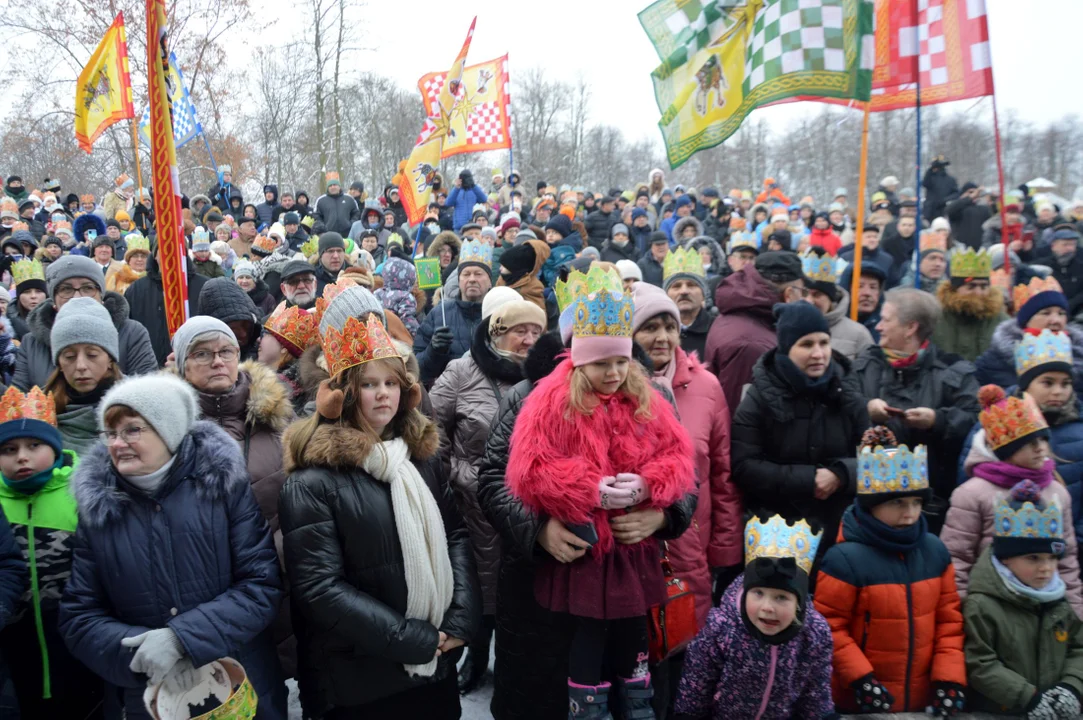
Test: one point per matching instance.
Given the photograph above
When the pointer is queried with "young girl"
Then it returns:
(764, 652)
(888, 591)
(1024, 644)
(592, 441)
(1012, 445)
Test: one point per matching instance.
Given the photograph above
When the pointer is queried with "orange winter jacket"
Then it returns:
(893, 614)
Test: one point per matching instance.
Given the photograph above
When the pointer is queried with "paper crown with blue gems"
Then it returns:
(1021, 515)
(476, 251)
(819, 268)
(777, 539)
(600, 306)
(892, 470)
(1046, 348)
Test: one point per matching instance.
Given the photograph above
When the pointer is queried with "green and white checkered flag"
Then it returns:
(681, 28)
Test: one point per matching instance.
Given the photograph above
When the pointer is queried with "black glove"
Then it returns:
(872, 696)
(441, 340)
(948, 699)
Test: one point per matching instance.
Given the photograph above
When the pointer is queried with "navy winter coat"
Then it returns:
(196, 556)
(463, 201)
(463, 318)
(12, 572)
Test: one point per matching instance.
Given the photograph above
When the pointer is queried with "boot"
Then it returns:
(634, 698)
(587, 702)
(476, 664)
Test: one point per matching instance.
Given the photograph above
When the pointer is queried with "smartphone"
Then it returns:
(585, 532)
(92, 235)
(894, 412)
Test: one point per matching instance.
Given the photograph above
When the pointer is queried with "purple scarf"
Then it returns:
(1006, 475)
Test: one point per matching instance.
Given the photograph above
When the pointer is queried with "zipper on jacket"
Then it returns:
(1038, 647)
(909, 646)
(770, 682)
(39, 624)
(865, 631)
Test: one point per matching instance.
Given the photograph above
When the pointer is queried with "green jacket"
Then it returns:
(1016, 647)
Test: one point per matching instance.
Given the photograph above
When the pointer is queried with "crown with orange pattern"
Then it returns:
(1038, 294)
(34, 405)
(932, 241)
(294, 327)
(20, 226)
(358, 342)
(84, 199)
(264, 244)
(1009, 422)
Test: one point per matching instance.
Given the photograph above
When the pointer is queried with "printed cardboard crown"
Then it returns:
(777, 539)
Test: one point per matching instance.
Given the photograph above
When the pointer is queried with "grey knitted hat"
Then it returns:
(244, 267)
(162, 399)
(351, 302)
(84, 320)
(197, 328)
(66, 267)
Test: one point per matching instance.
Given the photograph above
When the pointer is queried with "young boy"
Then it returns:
(887, 589)
(1024, 644)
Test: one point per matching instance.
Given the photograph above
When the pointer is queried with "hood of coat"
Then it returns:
(313, 366)
(493, 366)
(445, 238)
(687, 366)
(1008, 334)
(41, 319)
(982, 307)
(217, 467)
(335, 445)
(718, 256)
(680, 225)
(747, 293)
(840, 309)
(544, 357)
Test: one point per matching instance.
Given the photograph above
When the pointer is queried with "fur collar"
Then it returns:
(492, 365)
(989, 306)
(268, 399)
(544, 357)
(214, 458)
(42, 318)
(339, 446)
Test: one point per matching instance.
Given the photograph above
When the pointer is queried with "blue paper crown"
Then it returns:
(892, 470)
(743, 240)
(1043, 349)
(1026, 521)
(778, 539)
(819, 269)
(476, 251)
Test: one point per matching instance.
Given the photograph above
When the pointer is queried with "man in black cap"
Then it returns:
(940, 188)
(296, 235)
(651, 263)
(870, 295)
(332, 258)
(298, 285)
(357, 192)
(745, 327)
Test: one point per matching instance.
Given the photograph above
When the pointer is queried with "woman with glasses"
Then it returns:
(174, 566)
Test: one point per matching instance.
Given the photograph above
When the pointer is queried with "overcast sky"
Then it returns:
(1034, 45)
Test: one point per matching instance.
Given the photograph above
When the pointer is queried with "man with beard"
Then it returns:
(972, 307)
(686, 285)
(298, 284)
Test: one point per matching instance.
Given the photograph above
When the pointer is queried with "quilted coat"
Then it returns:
(465, 399)
(196, 556)
(894, 614)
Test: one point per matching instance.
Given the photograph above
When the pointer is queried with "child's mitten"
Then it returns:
(871, 695)
(1059, 702)
(948, 699)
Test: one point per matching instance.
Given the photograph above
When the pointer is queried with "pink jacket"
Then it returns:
(716, 537)
(968, 527)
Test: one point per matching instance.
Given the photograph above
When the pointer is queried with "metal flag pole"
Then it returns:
(135, 151)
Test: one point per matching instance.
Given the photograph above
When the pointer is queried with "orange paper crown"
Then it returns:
(929, 241)
(357, 343)
(295, 328)
(265, 243)
(87, 198)
(1022, 293)
(1007, 419)
(34, 405)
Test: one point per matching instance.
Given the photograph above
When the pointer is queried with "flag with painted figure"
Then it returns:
(770, 50)
(103, 93)
(482, 116)
(186, 125)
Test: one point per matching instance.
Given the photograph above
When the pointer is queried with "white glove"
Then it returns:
(158, 651)
(183, 677)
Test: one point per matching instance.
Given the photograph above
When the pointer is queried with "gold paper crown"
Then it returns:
(682, 261)
(819, 268)
(265, 243)
(137, 243)
(892, 470)
(743, 240)
(27, 269)
(294, 327)
(932, 241)
(310, 247)
(1009, 418)
(970, 264)
(34, 405)
(1044, 348)
(580, 283)
(1036, 286)
(357, 343)
(776, 539)
(606, 312)
(475, 251)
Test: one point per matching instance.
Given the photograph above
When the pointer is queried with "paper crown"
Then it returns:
(684, 261)
(201, 236)
(600, 306)
(476, 251)
(310, 247)
(777, 539)
(1045, 348)
(62, 227)
(88, 198)
(819, 268)
(1007, 419)
(1036, 286)
(970, 264)
(743, 240)
(27, 269)
(34, 405)
(892, 470)
(265, 244)
(932, 241)
(221, 685)
(19, 226)
(580, 283)
(137, 243)
(1026, 520)
(294, 327)
(330, 292)
(357, 343)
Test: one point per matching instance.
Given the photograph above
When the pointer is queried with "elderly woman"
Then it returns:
(925, 396)
(796, 432)
(244, 274)
(465, 398)
(173, 565)
(85, 348)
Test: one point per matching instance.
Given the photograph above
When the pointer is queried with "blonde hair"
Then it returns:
(57, 384)
(582, 398)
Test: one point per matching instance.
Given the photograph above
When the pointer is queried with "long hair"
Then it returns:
(58, 384)
(582, 399)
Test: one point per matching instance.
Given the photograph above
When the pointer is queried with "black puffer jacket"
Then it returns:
(611, 252)
(348, 579)
(225, 300)
(967, 218)
(337, 213)
(599, 226)
(147, 302)
(782, 436)
(939, 380)
(532, 644)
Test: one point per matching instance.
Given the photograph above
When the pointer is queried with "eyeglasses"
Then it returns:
(206, 357)
(67, 292)
(128, 435)
(302, 280)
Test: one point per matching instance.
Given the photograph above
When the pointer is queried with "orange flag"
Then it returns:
(103, 93)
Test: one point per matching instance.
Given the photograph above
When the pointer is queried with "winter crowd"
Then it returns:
(635, 436)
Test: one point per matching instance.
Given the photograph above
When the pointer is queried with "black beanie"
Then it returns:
(794, 321)
(561, 224)
(518, 260)
(329, 241)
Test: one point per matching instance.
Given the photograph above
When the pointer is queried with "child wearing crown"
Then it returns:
(887, 589)
(1011, 446)
(597, 450)
(1024, 643)
(764, 653)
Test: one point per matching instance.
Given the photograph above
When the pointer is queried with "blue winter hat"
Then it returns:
(796, 320)
(682, 201)
(638, 213)
(1038, 302)
(37, 429)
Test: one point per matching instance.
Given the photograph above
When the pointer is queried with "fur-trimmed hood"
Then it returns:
(43, 316)
(1008, 334)
(216, 466)
(991, 305)
(445, 238)
(335, 445)
(684, 222)
(268, 398)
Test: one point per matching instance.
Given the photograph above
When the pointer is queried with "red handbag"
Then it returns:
(672, 624)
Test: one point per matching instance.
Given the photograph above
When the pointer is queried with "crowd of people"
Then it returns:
(634, 436)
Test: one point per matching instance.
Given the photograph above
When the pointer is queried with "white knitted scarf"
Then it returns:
(429, 582)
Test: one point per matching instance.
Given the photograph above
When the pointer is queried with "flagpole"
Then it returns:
(917, 164)
(855, 280)
(135, 151)
(1000, 173)
(208, 146)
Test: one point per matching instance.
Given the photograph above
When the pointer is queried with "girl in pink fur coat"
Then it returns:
(593, 441)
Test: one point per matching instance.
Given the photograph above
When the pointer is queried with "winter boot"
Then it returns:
(634, 698)
(586, 702)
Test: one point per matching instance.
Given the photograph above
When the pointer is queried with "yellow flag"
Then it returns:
(103, 94)
(482, 116)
